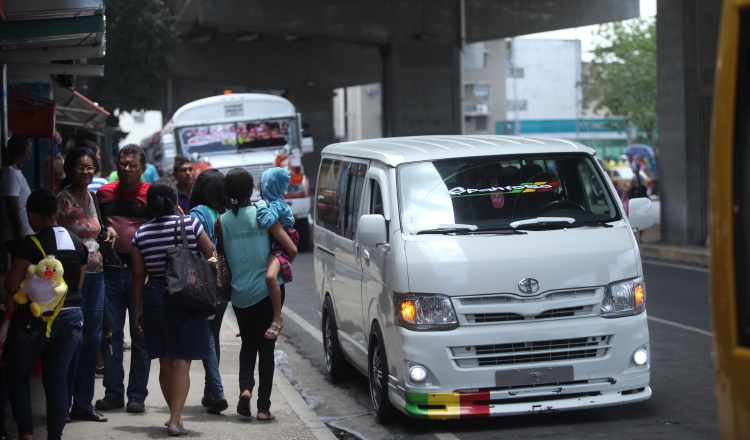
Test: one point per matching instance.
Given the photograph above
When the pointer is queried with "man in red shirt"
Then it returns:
(123, 207)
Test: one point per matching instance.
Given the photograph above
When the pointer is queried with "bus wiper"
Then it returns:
(450, 229)
(560, 222)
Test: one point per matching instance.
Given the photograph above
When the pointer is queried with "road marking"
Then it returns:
(682, 326)
(304, 324)
(676, 266)
(443, 435)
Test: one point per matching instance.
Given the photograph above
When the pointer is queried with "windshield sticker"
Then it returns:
(527, 187)
(498, 200)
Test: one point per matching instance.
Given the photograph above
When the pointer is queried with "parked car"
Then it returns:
(620, 175)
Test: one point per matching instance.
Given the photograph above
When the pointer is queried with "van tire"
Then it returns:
(377, 373)
(337, 366)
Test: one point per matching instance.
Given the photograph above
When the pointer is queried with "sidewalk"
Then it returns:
(294, 420)
(653, 249)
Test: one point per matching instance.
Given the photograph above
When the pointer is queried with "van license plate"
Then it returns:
(534, 376)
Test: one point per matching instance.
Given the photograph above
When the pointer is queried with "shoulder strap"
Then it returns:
(98, 210)
(49, 319)
(219, 236)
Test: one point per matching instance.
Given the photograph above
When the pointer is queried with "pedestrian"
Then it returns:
(183, 176)
(16, 190)
(77, 213)
(97, 181)
(207, 203)
(124, 208)
(247, 246)
(29, 336)
(272, 207)
(635, 188)
(174, 335)
(152, 174)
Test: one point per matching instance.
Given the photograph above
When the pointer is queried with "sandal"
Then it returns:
(274, 330)
(243, 406)
(88, 416)
(218, 406)
(174, 429)
(268, 414)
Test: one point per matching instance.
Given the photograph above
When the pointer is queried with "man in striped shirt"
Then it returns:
(123, 207)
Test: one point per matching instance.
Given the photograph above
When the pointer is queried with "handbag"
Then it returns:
(109, 256)
(191, 283)
(223, 273)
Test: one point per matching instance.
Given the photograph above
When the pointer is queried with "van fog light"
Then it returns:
(640, 356)
(417, 373)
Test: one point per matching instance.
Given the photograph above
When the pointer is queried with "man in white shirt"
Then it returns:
(15, 189)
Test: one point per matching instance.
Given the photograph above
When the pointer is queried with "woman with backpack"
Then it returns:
(55, 340)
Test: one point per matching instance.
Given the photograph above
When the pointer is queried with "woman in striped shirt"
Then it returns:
(173, 335)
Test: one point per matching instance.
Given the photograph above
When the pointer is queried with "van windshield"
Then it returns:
(500, 192)
(236, 136)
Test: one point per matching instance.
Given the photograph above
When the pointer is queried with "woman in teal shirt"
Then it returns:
(247, 245)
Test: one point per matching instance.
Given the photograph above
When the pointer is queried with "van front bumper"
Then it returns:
(457, 387)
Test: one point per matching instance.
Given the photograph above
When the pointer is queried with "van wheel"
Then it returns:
(378, 374)
(336, 364)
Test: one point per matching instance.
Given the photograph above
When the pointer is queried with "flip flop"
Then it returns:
(243, 406)
(269, 416)
(274, 330)
(218, 406)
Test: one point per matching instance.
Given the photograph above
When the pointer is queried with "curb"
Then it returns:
(691, 256)
(299, 406)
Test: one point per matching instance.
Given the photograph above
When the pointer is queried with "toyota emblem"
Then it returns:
(528, 285)
(535, 376)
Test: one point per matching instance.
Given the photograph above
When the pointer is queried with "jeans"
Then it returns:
(83, 367)
(253, 322)
(28, 344)
(213, 387)
(118, 298)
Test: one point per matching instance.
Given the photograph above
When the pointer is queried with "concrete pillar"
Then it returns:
(422, 88)
(687, 34)
(315, 103)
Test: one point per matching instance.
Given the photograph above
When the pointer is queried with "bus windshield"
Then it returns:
(210, 139)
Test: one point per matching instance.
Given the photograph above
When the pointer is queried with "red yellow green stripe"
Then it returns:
(447, 405)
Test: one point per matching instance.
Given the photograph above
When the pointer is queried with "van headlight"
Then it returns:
(420, 311)
(624, 298)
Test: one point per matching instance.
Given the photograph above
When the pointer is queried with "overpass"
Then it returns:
(304, 50)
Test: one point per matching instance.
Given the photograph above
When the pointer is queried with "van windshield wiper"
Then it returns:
(450, 229)
(601, 223)
(544, 223)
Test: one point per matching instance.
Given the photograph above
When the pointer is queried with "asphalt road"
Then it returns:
(683, 403)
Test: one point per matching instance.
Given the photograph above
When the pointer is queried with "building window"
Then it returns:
(516, 104)
(515, 72)
(480, 123)
(481, 90)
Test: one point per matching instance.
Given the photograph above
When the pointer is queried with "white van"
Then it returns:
(473, 276)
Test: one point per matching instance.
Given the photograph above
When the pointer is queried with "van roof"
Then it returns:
(235, 107)
(394, 151)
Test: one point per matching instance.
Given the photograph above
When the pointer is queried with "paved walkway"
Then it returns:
(294, 420)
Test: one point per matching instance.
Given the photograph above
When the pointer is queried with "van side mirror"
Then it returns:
(371, 230)
(641, 214)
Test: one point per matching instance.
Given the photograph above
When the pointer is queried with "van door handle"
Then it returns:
(366, 253)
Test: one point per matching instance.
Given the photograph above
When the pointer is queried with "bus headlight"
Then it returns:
(624, 298)
(419, 311)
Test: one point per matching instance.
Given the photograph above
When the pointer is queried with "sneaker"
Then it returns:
(136, 406)
(109, 403)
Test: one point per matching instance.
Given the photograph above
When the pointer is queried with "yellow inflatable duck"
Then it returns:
(43, 285)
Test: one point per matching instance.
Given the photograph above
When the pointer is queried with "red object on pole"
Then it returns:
(30, 114)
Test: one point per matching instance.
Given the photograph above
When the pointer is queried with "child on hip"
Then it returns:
(272, 208)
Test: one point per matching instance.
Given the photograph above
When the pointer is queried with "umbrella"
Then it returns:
(639, 150)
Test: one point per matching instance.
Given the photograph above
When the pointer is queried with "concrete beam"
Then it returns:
(56, 69)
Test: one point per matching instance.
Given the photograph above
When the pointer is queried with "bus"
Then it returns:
(730, 221)
(247, 130)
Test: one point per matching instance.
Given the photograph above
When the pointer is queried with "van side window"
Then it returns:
(327, 204)
(376, 198)
(355, 180)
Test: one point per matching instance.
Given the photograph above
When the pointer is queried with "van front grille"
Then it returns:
(480, 318)
(531, 352)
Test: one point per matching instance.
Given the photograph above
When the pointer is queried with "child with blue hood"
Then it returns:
(272, 208)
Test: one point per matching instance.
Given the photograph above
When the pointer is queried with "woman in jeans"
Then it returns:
(207, 204)
(77, 213)
(173, 335)
(247, 246)
(27, 335)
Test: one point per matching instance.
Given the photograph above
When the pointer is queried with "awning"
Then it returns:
(74, 109)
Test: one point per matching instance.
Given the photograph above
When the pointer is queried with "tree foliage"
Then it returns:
(622, 77)
(140, 37)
